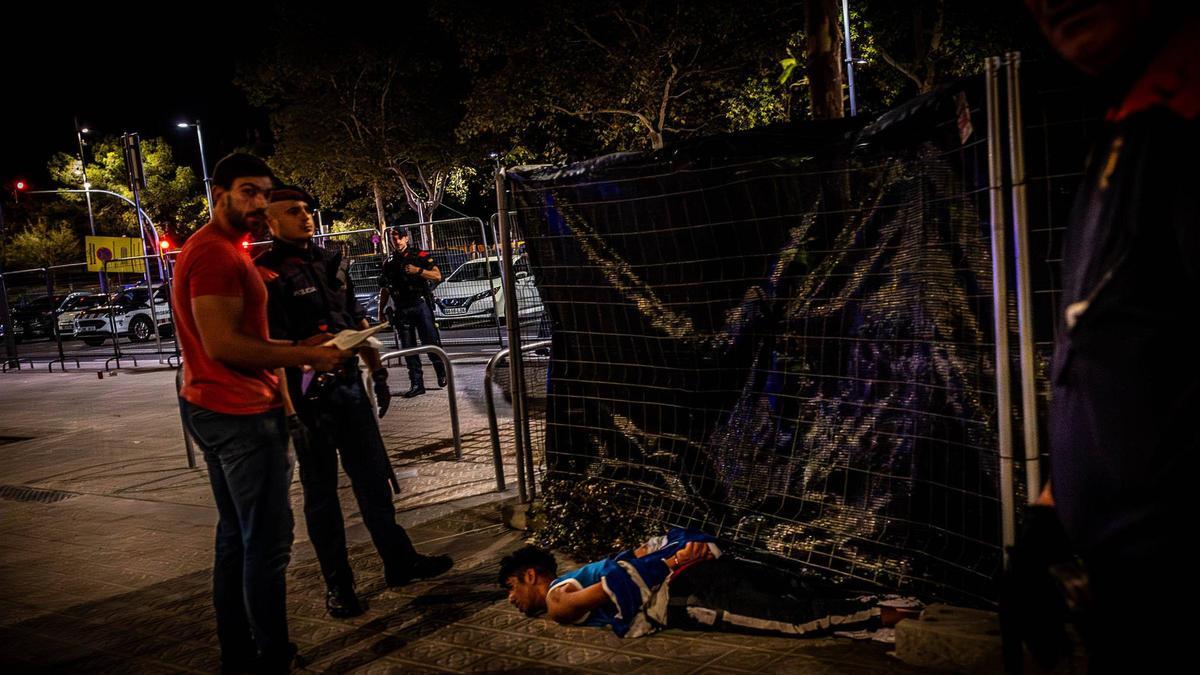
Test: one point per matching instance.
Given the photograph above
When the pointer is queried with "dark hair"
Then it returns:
(527, 557)
(239, 165)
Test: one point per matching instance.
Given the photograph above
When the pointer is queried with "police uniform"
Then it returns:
(412, 314)
(1125, 381)
(308, 293)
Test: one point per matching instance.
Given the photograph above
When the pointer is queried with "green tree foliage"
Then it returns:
(566, 78)
(173, 198)
(40, 244)
(363, 107)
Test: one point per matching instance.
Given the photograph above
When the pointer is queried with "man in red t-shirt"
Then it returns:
(232, 407)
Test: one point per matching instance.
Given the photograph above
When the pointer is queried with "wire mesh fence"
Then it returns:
(786, 337)
(1060, 115)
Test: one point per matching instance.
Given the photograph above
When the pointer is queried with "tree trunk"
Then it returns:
(379, 208)
(823, 58)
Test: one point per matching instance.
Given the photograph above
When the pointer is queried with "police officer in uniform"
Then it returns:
(405, 281)
(331, 414)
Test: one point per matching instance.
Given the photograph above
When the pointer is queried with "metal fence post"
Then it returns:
(10, 340)
(450, 395)
(1000, 306)
(513, 320)
(62, 358)
(1020, 209)
(494, 428)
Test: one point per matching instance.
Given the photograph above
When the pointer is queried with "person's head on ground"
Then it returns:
(526, 574)
(240, 185)
(1101, 36)
(289, 215)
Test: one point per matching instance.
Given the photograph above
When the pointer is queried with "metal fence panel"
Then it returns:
(785, 337)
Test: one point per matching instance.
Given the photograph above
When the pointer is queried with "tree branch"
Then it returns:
(895, 64)
(607, 111)
(588, 36)
(666, 95)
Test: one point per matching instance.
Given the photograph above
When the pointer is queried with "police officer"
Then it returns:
(309, 292)
(405, 281)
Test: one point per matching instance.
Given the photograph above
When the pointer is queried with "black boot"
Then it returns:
(418, 388)
(342, 603)
(441, 376)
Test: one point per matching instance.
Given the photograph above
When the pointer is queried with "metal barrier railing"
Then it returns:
(441, 354)
(524, 455)
(188, 446)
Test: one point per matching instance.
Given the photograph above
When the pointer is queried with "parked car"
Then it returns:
(72, 306)
(473, 293)
(370, 305)
(126, 313)
(449, 260)
(17, 329)
(35, 316)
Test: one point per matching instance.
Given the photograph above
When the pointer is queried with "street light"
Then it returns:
(87, 186)
(849, 57)
(203, 163)
(87, 191)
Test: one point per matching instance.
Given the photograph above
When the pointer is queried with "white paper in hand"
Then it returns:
(350, 338)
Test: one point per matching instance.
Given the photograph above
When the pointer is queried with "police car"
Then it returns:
(473, 293)
(75, 304)
(127, 313)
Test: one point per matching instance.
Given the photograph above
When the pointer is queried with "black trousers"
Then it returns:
(736, 595)
(412, 320)
(343, 422)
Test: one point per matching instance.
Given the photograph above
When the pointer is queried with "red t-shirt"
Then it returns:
(211, 263)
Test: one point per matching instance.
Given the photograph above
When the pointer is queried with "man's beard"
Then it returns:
(237, 220)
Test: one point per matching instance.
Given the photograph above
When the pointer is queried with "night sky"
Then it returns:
(139, 71)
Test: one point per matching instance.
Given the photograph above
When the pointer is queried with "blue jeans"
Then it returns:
(250, 472)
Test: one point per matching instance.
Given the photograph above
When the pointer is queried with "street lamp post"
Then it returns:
(849, 57)
(87, 191)
(203, 163)
(87, 187)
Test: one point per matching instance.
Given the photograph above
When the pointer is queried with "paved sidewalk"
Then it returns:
(108, 549)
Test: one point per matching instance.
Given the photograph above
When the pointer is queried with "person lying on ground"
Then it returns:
(680, 580)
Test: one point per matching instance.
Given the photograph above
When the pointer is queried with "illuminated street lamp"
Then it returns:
(87, 187)
(203, 163)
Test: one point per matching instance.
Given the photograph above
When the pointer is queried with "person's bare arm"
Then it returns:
(569, 603)
(218, 320)
(288, 407)
(1046, 498)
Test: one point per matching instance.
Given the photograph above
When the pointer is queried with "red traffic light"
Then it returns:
(21, 185)
(164, 243)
